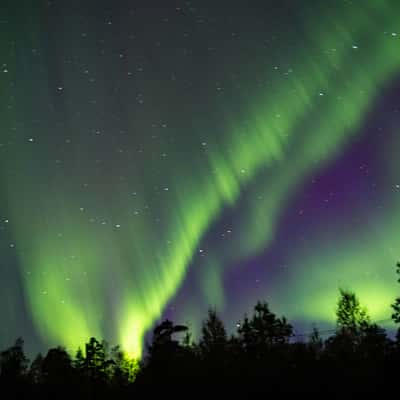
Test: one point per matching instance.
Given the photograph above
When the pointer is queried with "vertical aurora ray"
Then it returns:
(94, 259)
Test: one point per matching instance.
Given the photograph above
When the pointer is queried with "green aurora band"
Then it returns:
(81, 281)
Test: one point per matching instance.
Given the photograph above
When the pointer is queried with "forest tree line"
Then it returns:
(261, 356)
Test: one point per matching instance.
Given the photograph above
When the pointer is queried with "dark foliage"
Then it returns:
(263, 356)
(396, 304)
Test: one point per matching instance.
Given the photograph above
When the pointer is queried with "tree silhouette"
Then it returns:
(94, 369)
(57, 367)
(13, 371)
(58, 377)
(162, 334)
(352, 321)
(374, 344)
(35, 370)
(351, 316)
(79, 361)
(213, 347)
(264, 329)
(13, 363)
(214, 337)
(315, 343)
(342, 350)
(396, 304)
(124, 369)
(263, 341)
(165, 355)
(97, 367)
(95, 361)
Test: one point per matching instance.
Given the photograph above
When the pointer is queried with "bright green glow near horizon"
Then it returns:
(348, 265)
(79, 281)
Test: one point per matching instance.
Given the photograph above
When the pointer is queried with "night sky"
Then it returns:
(161, 157)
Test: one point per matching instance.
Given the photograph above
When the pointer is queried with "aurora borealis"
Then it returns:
(158, 157)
